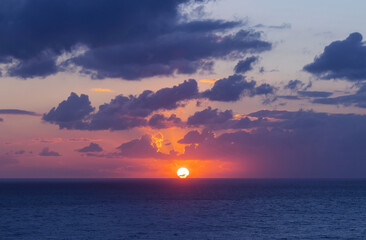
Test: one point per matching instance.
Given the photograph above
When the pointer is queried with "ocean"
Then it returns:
(182, 209)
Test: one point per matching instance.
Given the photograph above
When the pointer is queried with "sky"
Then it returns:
(225, 88)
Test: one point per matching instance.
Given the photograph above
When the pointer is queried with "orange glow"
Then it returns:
(157, 141)
(183, 172)
(101, 90)
(209, 80)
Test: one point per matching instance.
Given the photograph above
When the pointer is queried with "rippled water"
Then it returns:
(183, 209)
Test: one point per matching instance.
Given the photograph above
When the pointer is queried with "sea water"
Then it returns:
(182, 209)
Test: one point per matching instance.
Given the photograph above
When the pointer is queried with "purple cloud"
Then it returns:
(159, 121)
(296, 144)
(18, 112)
(122, 112)
(47, 153)
(341, 59)
(145, 39)
(246, 65)
(232, 88)
(141, 148)
(71, 112)
(92, 147)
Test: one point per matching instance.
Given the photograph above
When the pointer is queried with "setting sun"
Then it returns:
(183, 172)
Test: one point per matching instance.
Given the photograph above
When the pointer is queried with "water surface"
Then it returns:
(182, 209)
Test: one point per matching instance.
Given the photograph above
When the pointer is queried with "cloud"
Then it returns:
(314, 94)
(341, 60)
(246, 65)
(122, 112)
(209, 80)
(20, 152)
(214, 119)
(232, 88)
(288, 144)
(71, 112)
(101, 90)
(289, 97)
(47, 153)
(128, 112)
(92, 147)
(121, 39)
(18, 112)
(43, 64)
(294, 85)
(292, 144)
(141, 148)
(194, 137)
(282, 26)
(177, 52)
(358, 100)
(209, 116)
(1, 120)
(264, 89)
(159, 121)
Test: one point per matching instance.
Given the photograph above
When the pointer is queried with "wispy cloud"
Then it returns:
(101, 90)
(209, 80)
(18, 112)
(282, 26)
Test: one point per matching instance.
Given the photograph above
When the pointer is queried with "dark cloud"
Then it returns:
(123, 39)
(92, 147)
(246, 65)
(289, 97)
(43, 64)
(314, 94)
(71, 112)
(1, 120)
(159, 121)
(289, 144)
(293, 144)
(128, 112)
(215, 119)
(194, 137)
(358, 100)
(133, 111)
(141, 148)
(47, 153)
(20, 152)
(264, 89)
(18, 112)
(341, 59)
(229, 89)
(209, 116)
(180, 52)
(232, 88)
(122, 112)
(294, 85)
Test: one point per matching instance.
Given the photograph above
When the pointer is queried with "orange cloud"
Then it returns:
(209, 80)
(157, 141)
(101, 90)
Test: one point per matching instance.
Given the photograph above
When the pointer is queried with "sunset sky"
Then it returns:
(225, 88)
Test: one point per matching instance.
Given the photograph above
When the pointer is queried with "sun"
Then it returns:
(183, 172)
